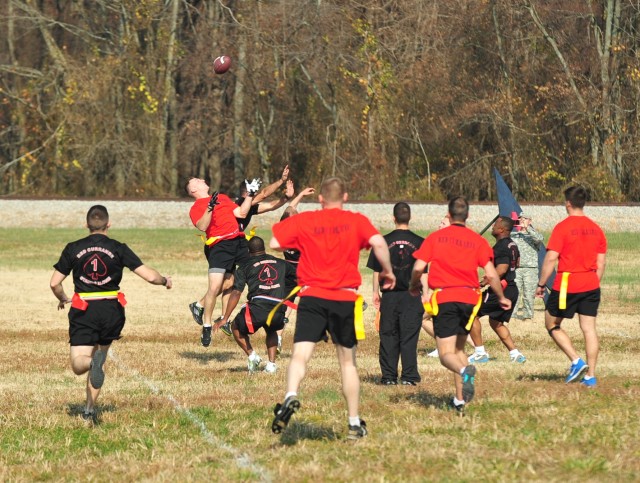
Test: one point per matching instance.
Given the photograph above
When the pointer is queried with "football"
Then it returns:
(221, 64)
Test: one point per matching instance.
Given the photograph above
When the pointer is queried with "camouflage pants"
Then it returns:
(527, 282)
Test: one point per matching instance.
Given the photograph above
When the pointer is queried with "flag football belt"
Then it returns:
(564, 285)
(247, 313)
(212, 240)
(358, 313)
(251, 233)
(81, 300)
(431, 306)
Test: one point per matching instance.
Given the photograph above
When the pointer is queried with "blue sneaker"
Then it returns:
(518, 359)
(476, 358)
(589, 382)
(468, 383)
(576, 371)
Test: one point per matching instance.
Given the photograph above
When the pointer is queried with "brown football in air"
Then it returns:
(221, 64)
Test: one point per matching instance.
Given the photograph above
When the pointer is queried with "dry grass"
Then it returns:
(525, 424)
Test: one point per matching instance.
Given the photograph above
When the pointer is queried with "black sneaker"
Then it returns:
(404, 382)
(468, 383)
(226, 329)
(283, 413)
(96, 372)
(205, 338)
(388, 382)
(196, 312)
(357, 432)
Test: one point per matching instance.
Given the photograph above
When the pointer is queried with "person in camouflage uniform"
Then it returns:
(529, 242)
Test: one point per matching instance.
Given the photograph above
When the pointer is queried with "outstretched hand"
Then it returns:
(307, 191)
(289, 191)
(285, 173)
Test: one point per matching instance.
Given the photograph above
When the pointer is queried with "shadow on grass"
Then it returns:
(371, 379)
(424, 399)
(541, 377)
(298, 431)
(75, 410)
(205, 357)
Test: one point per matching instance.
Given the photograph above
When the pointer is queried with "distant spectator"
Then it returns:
(529, 242)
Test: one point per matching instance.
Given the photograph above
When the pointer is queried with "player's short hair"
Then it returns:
(256, 244)
(576, 195)
(458, 209)
(97, 218)
(186, 185)
(333, 189)
(402, 213)
(506, 222)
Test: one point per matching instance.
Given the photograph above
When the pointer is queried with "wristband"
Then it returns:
(542, 286)
(164, 281)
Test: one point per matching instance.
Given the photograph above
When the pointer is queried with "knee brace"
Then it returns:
(555, 327)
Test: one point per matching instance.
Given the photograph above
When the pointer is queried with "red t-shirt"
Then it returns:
(223, 221)
(329, 241)
(578, 240)
(454, 254)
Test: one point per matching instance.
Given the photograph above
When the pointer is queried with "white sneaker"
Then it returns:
(253, 362)
(433, 353)
(270, 367)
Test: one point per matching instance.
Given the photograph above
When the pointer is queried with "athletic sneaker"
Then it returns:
(205, 338)
(576, 370)
(226, 328)
(476, 358)
(196, 312)
(468, 383)
(433, 353)
(283, 413)
(388, 382)
(408, 383)
(253, 362)
(357, 432)
(589, 382)
(457, 407)
(518, 358)
(270, 367)
(89, 417)
(96, 372)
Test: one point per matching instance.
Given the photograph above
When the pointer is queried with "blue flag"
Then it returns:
(508, 206)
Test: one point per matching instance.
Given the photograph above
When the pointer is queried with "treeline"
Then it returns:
(413, 99)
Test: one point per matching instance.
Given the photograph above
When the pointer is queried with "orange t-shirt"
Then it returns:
(454, 254)
(578, 241)
(329, 242)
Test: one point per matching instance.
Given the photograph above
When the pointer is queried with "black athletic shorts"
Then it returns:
(451, 319)
(317, 316)
(585, 303)
(491, 307)
(259, 314)
(101, 323)
(225, 255)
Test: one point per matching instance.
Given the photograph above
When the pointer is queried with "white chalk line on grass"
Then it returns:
(242, 460)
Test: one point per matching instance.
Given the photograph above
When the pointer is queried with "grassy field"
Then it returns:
(173, 410)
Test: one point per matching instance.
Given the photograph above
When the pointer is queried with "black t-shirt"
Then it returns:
(97, 262)
(243, 223)
(506, 251)
(265, 275)
(402, 244)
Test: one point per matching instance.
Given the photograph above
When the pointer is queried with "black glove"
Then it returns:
(213, 202)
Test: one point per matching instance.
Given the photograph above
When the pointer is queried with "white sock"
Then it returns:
(588, 378)
(279, 339)
(199, 306)
(290, 394)
(253, 356)
(576, 361)
(458, 402)
(354, 421)
(514, 352)
(462, 370)
(206, 325)
(480, 349)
